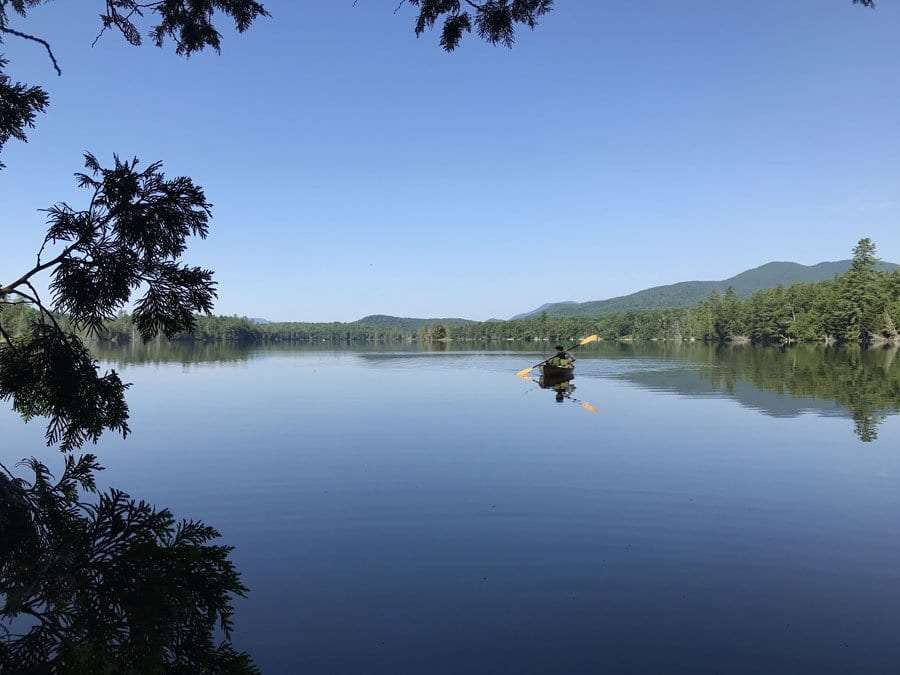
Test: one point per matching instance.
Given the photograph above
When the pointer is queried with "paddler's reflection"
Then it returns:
(564, 391)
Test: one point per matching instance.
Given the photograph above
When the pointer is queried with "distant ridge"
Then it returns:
(689, 293)
(406, 322)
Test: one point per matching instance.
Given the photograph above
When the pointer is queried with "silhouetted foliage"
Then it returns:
(494, 20)
(189, 23)
(19, 104)
(110, 586)
(131, 235)
(49, 374)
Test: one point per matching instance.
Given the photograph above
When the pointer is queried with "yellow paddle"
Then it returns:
(525, 372)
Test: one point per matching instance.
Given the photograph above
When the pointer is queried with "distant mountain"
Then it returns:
(689, 293)
(257, 321)
(406, 322)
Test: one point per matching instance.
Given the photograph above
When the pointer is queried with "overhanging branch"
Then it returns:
(34, 38)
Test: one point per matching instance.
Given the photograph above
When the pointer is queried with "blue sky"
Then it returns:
(355, 169)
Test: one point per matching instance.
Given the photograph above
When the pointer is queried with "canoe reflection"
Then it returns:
(558, 380)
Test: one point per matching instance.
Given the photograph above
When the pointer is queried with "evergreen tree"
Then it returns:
(862, 300)
(888, 327)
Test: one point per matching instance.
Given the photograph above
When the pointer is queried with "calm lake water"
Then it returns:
(401, 511)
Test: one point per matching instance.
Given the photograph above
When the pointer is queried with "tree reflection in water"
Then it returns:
(863, 384)
(108, 585)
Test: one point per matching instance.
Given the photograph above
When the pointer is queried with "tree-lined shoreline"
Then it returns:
(861, 306)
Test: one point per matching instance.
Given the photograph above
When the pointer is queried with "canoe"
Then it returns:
(553, 375)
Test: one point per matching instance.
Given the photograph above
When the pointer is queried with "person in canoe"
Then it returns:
(558, 369)
(562, 359)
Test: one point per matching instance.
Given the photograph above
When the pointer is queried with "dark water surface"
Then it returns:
(404, 511)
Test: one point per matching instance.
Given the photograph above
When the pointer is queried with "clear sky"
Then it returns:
(355, 169)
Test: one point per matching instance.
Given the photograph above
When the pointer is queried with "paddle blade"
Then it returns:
(525, 372)
(589, 339)
(590, 407)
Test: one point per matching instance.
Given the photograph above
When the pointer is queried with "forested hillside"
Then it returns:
(689, 293)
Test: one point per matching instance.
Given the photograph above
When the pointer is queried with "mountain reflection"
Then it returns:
(863, 385)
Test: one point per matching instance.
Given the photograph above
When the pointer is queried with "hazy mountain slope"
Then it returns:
(689, 293)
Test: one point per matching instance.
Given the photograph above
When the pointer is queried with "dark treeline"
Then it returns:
(860, 306)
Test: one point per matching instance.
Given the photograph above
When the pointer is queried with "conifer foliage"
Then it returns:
(95, 582)
(130, 236)
(494, 20)
(110, 586)
(106, 584)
